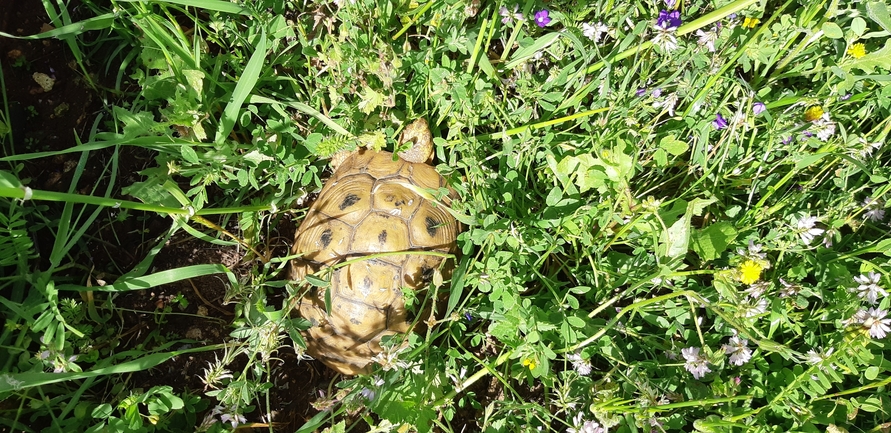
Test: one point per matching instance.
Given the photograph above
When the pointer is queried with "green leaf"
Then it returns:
(210, 5)
(878, 12)
(96, 23)
(858, 26)
(554, 196)
(660, 157)
(316, 281)
(872, 372)
(673, 146)
(16, 381)
(102, 411)
(189, 154)
(675, 241)
(809, 159)
(243, 88)
(713, 240)
(871, 405)
(371, 100)
(526, 53)
(156, 279)
(878, 59)
(832, 30)
(135, 124)
(575, 322)
(256, 157)
(8, 180)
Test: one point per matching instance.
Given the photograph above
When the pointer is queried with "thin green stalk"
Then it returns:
(539, 125)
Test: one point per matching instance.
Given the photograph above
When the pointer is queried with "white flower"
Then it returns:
(869, 287)
(753, 252)
(665, 38)
(757, 289)
(669, 102)
(215, 373)
(367, 393)
(695, 363)
(754, 307)
(708, 39)
(824, 127)
(806, 229)
(229, 415)
(580, 425)
(874, 209)
(868, 148)
(815, 357)
(828, 238)
(508, 16)
(874, 320)
(594, 31)
(738, 350)
(789, 289)
(388, 358)
(581, 366)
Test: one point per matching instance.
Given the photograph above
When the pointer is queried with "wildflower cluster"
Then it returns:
(666, 27)
(695, 363)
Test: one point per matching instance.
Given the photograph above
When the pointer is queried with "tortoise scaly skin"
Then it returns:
(371, 205)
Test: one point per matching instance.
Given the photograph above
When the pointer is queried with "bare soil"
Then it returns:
(54, 120)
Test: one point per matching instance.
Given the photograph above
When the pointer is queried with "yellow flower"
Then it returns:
(813, 113)
(750, 271)
(750, 22)
(529, 362)
(857, 50)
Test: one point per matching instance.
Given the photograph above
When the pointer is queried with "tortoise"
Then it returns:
(373, 203)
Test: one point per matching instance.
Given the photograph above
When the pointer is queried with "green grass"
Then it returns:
(620, 236)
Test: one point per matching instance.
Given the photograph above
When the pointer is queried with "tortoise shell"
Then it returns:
(370, 205)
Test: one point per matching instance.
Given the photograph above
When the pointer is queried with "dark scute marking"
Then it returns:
(431, 226)
(382, 237)
(326, 238)
(366, 283)
(348, 201)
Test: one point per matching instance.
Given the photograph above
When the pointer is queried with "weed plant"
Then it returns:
(676, 211)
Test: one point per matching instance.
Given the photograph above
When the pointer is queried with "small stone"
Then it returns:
(194, 334)
(202, 310)
(45, 81)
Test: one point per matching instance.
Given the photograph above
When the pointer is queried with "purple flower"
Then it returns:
(670, 3)
(844, 97)
(668, 20)
(758, 108)
(657, 92)
(542, 18)
(640, 92)
(720, 122)
(787, 140)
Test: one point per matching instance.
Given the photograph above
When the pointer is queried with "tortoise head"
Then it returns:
(417, 135)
